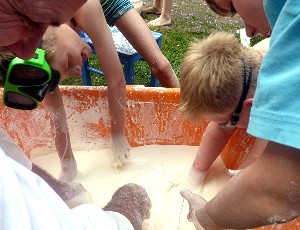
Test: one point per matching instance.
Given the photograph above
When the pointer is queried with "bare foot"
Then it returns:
(152, 10)
(159, 22)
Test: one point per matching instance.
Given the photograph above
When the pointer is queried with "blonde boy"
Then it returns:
(217, 83)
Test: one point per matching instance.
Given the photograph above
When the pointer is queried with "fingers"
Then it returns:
(196, 207)
(188, 195)
(120, 150)
(119, 156)
(195, 201)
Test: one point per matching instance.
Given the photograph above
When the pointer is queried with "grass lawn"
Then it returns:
(191, 19)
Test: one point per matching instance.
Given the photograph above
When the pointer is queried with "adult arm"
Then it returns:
(266, 192)
(73, 194)
(255, 152)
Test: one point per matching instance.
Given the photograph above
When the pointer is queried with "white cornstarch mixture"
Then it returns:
(158, 168)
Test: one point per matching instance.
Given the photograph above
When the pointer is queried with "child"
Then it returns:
(66, 56)
(61, 55)
(218, 82)
(121, 14)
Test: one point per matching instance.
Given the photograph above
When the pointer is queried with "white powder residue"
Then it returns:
(158, 168)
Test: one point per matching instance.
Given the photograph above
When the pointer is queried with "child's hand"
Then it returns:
(194, 181)
(120, 149)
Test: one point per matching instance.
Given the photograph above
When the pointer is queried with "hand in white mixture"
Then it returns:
(194, 181)
(120, 149)
(197, 213)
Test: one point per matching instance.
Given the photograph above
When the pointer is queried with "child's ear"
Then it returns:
(248, 102)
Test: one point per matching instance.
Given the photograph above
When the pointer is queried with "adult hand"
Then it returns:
(197, 213)
(132, 201)
(120, 149)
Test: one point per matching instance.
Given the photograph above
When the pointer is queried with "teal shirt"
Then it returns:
(114, 9)
(275, 113)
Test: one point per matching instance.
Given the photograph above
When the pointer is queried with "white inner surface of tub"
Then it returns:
(158, 168)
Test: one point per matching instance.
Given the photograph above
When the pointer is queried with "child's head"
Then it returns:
(251, 12)
(65, 50)
(211, 81)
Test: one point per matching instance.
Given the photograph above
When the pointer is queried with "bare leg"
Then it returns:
(154, 9)
(132, 201)
(142, 40)
(165, 17)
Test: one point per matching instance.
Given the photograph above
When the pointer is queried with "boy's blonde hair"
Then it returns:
(211, 80)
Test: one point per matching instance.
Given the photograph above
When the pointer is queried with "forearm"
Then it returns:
(91, 19)
(65, 190)
(213, 142)
(267, 192)
(58, 121)
(73, 194)
(117, 106)
(97, 29)
(51, 181)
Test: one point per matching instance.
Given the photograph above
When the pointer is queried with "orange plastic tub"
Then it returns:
(152, 117)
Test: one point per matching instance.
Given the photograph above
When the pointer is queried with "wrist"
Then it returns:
(206, 222)
(117, 133)
(196, 175)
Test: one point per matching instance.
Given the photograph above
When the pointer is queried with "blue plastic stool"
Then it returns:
(127, 54)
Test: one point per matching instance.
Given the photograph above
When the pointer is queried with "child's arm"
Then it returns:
(91, 19)
(213, 142)
(59, 128)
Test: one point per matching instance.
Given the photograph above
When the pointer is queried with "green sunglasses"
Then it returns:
(27, 82)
